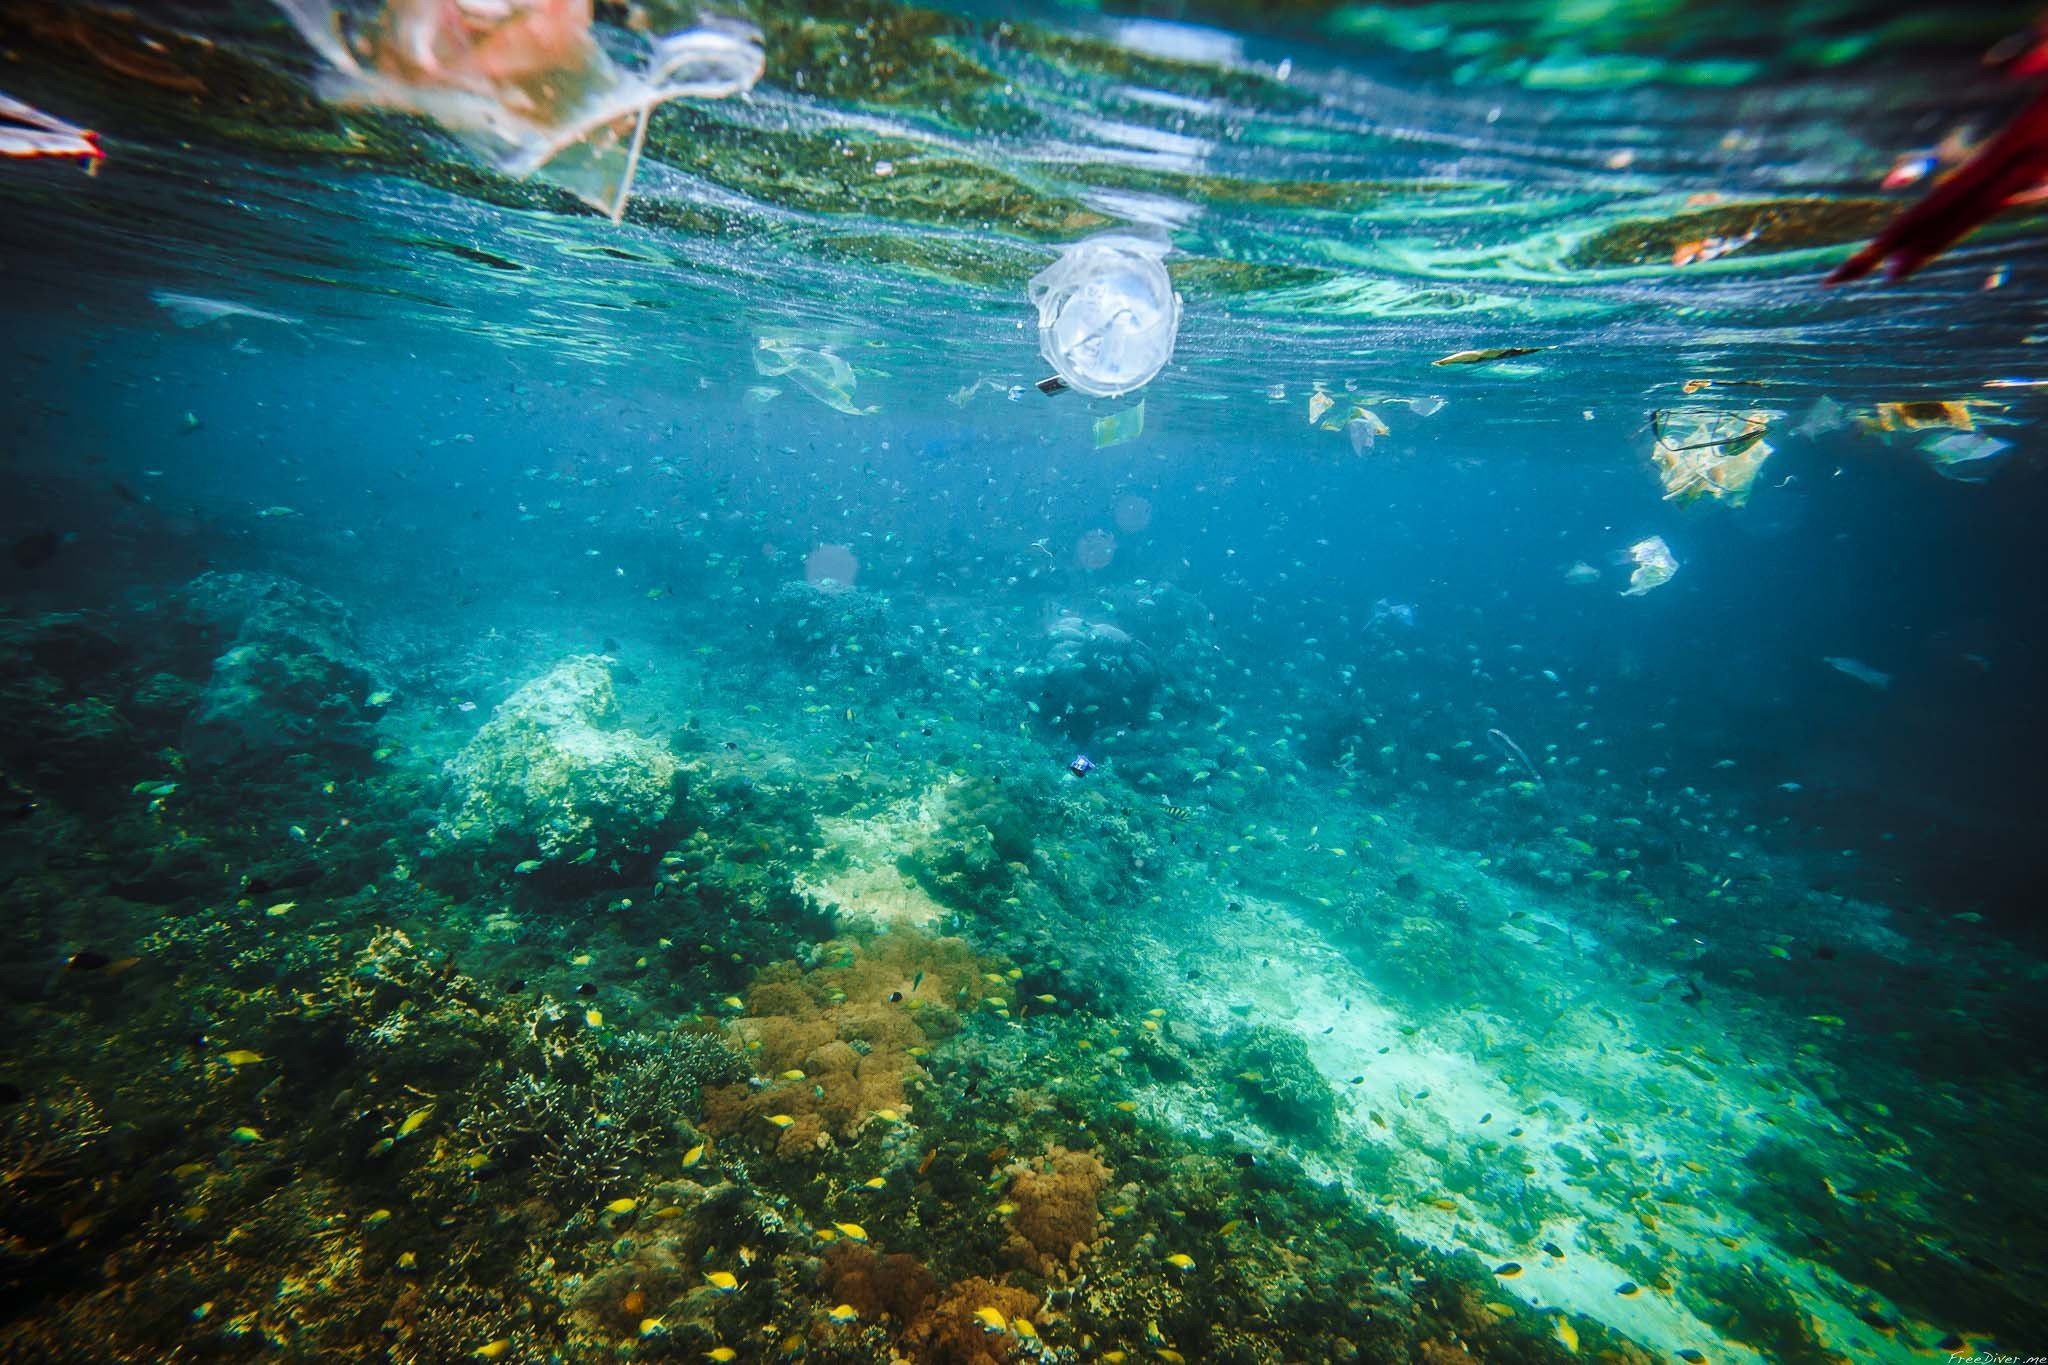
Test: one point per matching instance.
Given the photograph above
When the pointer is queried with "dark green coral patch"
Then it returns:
(876, 53)
(1214, 277)
(1779, 225)
(850, 174)
(1331, 196)
(1093, 58)
(980, 264)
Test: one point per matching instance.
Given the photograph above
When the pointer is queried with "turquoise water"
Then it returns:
(542, 768)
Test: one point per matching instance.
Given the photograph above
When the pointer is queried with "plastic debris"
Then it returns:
(1364, 427)
(1654, 566)
(1964, 456)
(1824, 416)
(194, 310)
(1701, 453)
(1860, 671)
(1119, 427)
(524, 83)
(1953, 414)
(1485, 356)
(819, 373)
(1107, 313)
(26, 131)
(1319, 403)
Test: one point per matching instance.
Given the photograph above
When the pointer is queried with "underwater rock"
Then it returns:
(832, 628)
(288, 680)
(553, 770)
(1096, 675)
(972, 860)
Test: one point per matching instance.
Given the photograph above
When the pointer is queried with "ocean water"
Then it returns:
(607, 790)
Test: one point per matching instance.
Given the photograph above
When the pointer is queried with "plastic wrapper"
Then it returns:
(524, 83)
(1107, 314)
(1965, 456)
(1703, 453)
(1119, 427)
(819, 373)
(1654, 566)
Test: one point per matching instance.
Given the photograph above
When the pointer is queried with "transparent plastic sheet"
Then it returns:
(1654, 566)
(1107, 313)
(819, 373)
(524, 84)
(1704, 453)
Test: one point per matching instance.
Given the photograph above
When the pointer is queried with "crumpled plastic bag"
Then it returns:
(1654, 566)
(819, 373)
(1108, 316)
(1704, 453)
(523, 83)
(1965, 456)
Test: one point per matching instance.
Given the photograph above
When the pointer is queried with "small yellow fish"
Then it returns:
(581, 960)
(671, 1211)
(792, 1075)
(875, 1183)
(1023, 1328)
(992, 1319)
(594, 1018)
(1127, 1106)
(625, 1204)
(408, 1260)
(888, 1116)
(377, 1218)
(1116, 1357)
(721, 1354)
(246, 1134)
(414, 1120)
(693, 1156)
(844, 1313)
(491, 1350)
(282, 908)
(1170, 1356)
(1568, 1334)
(241, 1056)
(724, 1281)
(1046, 999)
(853, 1232)
(1232, 1226)
(1005, 1209)
(733, 1002)
(781, 1120)
(649, 1326)
(1180, 1260)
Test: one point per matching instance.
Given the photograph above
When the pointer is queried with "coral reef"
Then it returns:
(1280, 1081)
(288, 678)
(1094, 676)
(1056, 1217)
(554, 772)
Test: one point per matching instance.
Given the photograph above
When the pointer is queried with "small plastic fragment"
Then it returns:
(1120, 427)
(1107, 314)
(1654, 566)
(1485, 355)
(26, 131)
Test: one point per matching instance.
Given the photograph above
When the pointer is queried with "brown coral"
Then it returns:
(954, 1335)
(896, 1286)
(837, 1039)
(1056, 1218)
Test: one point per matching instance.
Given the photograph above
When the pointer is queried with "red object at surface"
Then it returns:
(2007, 170)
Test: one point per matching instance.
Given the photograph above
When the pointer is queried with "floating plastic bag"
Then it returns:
(1965, 456)
(1702, 453)
(523, 83)
(1654, 566)
(1107, 314)
(819, 373)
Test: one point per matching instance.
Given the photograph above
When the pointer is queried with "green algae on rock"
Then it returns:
(553, 770)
